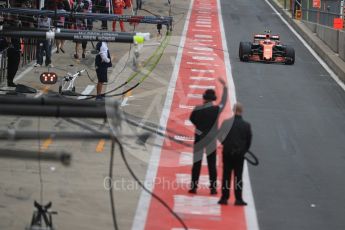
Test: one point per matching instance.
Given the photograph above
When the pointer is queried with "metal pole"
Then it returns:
(59, 108)
(15, 135)
(164, 20)
(50, 101)
(318, 15)
(3, 67)
(308, 5)
(86, 36)
(63, 157)
(53, 111)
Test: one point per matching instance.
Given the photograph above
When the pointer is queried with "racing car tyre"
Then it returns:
(245, 50)
(289, 55)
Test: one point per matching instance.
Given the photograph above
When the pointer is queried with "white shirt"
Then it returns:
(104, 52)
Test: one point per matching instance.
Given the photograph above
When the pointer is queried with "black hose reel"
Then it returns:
(251, 158)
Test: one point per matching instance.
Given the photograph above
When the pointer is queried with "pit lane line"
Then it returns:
(141, 213)
(250, 210)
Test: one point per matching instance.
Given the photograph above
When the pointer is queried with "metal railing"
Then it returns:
(320, 17)
(3, 68)
(286, 4)
(28, 51)
(28, 54)
(324, 16)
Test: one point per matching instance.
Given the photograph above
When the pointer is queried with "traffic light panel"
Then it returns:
(48, 78)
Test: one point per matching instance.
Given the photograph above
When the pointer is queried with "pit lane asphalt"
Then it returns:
(298, 119)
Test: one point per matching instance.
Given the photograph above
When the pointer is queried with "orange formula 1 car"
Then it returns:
(266, 48)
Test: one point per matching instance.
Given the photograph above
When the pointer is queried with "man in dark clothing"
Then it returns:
(205, 119)
(13, 52)
(13, 60)
(139, 4)
(102, 6)
(43, 45)
(235, 135)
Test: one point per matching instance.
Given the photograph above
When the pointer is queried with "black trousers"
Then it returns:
(139, 4)
(89, 26)
(105, 22)
(43, 46)
(232, 164)
(12, 64)
(211, 164)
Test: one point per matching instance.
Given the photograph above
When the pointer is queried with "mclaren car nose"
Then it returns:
(267, 55)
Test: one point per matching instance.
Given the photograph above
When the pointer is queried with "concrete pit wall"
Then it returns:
(311, 26)
(329, 36)
(341, 45)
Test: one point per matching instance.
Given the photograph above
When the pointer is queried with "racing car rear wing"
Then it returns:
(266, 36)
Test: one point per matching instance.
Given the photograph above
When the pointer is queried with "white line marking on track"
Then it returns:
(188, 123)
(186, 158)
(86, 91)
(22, 74)
(197, 205)
(202, 36)
(203, 22)
(202, 78)
(317, 57)
(186, 107)
(200, 53)
(184, 138)
(250, 211)
(203, 58)
(200, 25)
(202, 86)
(202, 64)
(206, 45)
(200, 48)
(184, 229)
(204, 40)
(28, 69)
(140, 217)
(200, 30)
(185, 179)
(124, 101)
(203, 70)
(194, 95)
(39, 94)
